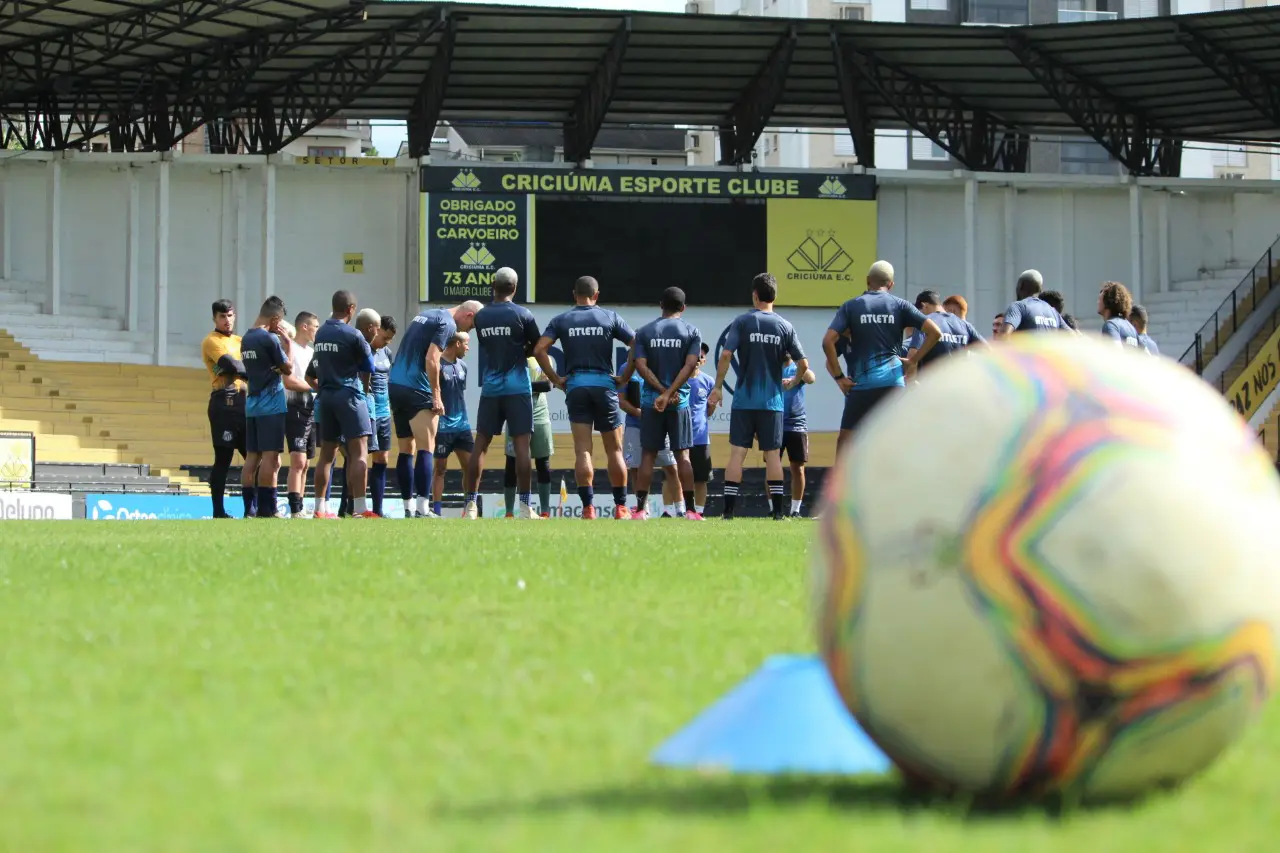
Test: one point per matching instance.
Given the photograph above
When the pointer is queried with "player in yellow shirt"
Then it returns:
(221, 354)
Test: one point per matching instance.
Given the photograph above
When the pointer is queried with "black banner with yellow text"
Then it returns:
(468, 237)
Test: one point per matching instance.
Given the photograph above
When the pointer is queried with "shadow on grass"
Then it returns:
(726, 795)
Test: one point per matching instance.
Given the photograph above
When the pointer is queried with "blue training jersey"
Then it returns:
(957, 335)
(759, 340)
(505, 332)
(379, 393)
(1033, 314)
(261, 354)
(875, 322)
(700, 385)
(433, 326)
(453, 386)
(341, 355)
(630, 420)
(1120, 331)
(586, 334)
(794, 416)
(665, 344)
(1148, 343)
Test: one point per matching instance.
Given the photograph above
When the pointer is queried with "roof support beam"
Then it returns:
(583, 125)
(425, 114)
(747, 119)
(1255, 85)
(977, 139)
(856, 115)
(1123, 130)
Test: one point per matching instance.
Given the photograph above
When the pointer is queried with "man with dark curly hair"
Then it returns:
(1114, 305)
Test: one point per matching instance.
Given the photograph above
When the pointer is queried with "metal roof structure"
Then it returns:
(259, 73)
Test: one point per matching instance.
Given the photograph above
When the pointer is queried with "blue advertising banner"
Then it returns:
(100, 507)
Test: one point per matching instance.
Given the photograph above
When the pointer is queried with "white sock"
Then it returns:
(795, 506)
(669, 509)
(679, 507)
(362, 505)
(699, 509)
(422, 505)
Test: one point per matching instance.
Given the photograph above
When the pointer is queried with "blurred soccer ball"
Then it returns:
(1076, 592)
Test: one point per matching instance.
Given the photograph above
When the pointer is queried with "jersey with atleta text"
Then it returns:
(504, 332)
(665, 344)
(341, 355)
(1033, 314)
(262, 354)
(875, 322)
(957, 335)
(759, 340)
(214, 347)
(453, 387)
(586, 334)
(433, 326)
(794, 416)
(1121, 331)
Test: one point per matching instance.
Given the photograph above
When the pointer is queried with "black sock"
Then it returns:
(295, 503)
(775, 497)
(586, 494)
(642, 500)
(620, 496)
(249, 495)
(730, 498)
(222, 457)
(688, 501)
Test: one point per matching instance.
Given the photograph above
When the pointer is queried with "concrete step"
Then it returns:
(112, 357)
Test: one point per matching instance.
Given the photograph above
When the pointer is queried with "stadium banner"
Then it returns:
(17, 460)
(467, 237)
(129, 507)
(818, 250)
(1258, 379)
(638, 230)
(823, 399)
(566, 504)
(35, 506)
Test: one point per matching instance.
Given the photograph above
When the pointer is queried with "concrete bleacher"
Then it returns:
(1178, 313)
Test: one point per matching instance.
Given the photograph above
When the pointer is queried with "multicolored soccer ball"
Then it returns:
(1051, 568)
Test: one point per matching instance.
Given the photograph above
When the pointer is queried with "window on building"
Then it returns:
(929, 5)
(1006, 12)
(325, 151)
(1085, 157)
(1230, 155)
(1225, 5)
(857, 13)
(1142, 8)
(924, 148)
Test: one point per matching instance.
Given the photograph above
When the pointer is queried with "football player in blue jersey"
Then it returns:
(957, 334)
(505, 334)
(454, 435)
(1030, 313)
(1138, 317)
(874, 323)
(761, 342)
(1114, 305)
(343, 363)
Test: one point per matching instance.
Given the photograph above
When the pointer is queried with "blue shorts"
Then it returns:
(264, 433)
(746, 425)
(451, 442)
(658, 428)
(858, 404)
(594, 405)
(344, 415)
(515, 411)
(380, 439)
(406, 403)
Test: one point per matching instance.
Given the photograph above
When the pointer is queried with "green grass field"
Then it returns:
(333, 687)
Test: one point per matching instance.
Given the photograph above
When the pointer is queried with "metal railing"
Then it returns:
(1082, 16)
(1257, 342)
(1226, 318)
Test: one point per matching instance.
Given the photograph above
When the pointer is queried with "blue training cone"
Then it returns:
(786, 718)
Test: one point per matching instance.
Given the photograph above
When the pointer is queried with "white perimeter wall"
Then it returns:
(956, 233)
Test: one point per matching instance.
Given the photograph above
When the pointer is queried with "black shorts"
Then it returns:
(515, 411)
(452, 442)
(300, 430)
(858, 404)
(406, 403)
(226, 420)
(761, 425)
(380, 437)
(344, 415)
(589, 404)
(795, 446)
(700, 459)
(265, 433)
(670, 425)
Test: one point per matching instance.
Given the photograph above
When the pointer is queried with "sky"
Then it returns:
(387, 136)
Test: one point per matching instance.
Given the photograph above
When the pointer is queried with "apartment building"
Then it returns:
(545, 144)
(895, 149)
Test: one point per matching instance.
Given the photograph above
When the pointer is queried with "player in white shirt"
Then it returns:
(300, 433)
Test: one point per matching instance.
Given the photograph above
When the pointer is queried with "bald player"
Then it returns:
(343, 364)
(220, 352)
(417, 401)
(1030, 313)
(875, 323)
